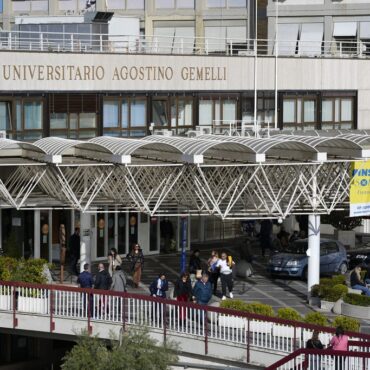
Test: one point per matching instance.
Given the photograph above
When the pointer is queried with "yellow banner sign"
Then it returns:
(359, 196)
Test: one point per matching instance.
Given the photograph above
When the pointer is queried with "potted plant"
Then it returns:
(347, 323)
(331, 294)
(355, 305)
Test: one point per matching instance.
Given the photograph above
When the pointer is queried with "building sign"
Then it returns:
(360, 189)
(78, 72)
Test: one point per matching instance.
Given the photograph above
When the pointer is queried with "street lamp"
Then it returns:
(255, 68)
(276, 59)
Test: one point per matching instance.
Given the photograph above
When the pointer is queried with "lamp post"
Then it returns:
(255, 69)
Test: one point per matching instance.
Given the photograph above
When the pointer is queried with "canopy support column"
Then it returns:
(85, 239)
(313, 251)
(36, 233)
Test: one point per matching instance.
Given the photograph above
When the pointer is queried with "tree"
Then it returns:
(136, 351)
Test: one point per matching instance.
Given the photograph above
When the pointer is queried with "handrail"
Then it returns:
(154, 44)
(317, 352)
(218, 310)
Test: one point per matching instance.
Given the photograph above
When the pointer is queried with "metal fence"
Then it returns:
(204, 323)
(151, 44)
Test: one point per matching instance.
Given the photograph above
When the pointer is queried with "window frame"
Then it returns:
(302, 123)
(333, 99)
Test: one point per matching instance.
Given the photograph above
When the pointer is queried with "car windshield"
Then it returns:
(297, 248)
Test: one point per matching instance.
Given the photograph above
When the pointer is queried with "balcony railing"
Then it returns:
(205, 323)
(151, 44)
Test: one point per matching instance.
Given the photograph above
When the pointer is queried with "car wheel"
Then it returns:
(304, 276)
(343, 268)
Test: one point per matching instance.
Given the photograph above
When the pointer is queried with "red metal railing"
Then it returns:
(303, 359)
(171, 317)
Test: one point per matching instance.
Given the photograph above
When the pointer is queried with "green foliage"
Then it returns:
(357, 299)
(260, 309)
(316, 318)
(288, 313)
(137, 351)
(341, 221)
(234, 304)
(28, 271)
(347, 323)
(11, 248)
(334, 293)
(338, 279)
(8, 266)
(253, 307)
(315, 290)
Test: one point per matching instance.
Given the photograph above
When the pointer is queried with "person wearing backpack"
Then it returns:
(213, 271)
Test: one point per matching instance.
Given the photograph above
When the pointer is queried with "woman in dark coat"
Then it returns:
(183, 292)
(136, 257)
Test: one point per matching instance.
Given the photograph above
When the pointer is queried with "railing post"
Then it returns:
(164, 323)
(101, 43)
(205, 325)
(51, 308)
(295, 338)
(248, 342)
(72, 42)
(90, 298)
(41, 42)
(123, 312)
(15, 320)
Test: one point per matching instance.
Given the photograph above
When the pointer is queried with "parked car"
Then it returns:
(294, 261)
(358, 257)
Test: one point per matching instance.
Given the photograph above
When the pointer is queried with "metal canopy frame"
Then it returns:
(225, 176)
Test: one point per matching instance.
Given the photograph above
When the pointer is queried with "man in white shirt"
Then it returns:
(225, 265)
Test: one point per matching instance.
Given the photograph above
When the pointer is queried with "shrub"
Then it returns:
(316, 318)
(8, 266)
(289, 314)
(233, 304)
(260, 309)
(326, 281)
(338, 279)
(347, 323)
(357, 299)
(31, 271)
(315, 290)
(334, 293)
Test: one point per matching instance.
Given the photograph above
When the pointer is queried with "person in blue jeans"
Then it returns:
(357, 283)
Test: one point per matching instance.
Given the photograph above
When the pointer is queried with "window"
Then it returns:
(217, 111)
(226, 3)
(121, 115)
(1, 6)
(181, 112)
(160, 113)
(216, 3)
(5, 109)
(164, 4)
(300, 112)
(337, 113)
(345, 33)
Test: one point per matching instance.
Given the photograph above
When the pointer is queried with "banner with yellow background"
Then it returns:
(359, 196)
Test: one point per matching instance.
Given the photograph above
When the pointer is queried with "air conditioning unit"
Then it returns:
(192, 133)
(163, 132)
(204, 130)
(2, 134)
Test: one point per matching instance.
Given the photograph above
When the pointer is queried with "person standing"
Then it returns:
(314, 343)
(114, 259)
(118, 280)
(136, 257)
(339, 343)
(195, 265)
(202, 292)
(103, 281)
(74, 250)
(214, 272)
(225, 265)
(356, 281)
(85, 280)
(159, 287)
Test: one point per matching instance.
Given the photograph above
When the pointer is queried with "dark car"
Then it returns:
(358, 257)
(294, 261)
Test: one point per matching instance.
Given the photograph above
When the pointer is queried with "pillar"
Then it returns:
(85, 238)
(36, 233)
(313, 251)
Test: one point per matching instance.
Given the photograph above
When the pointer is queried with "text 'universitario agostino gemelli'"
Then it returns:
(36, 72)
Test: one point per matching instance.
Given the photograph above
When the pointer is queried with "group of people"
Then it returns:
(339, 342)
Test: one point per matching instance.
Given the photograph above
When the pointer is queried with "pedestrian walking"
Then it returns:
(314, 343)
(158, 288)
(118, 280)
(214, 272)
(339, 343)
(103, 281)
(195, 265)
(136, 257)
(183, 292)
(202, 292)
(225, 265)
(85, 280)
(114, 259)
(74, 250)
(357, 282)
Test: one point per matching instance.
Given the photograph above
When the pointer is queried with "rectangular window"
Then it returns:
(58, 120)
(110, 113)
(135, 4)
(87, 120)
(309, 111)
(185, 4)
(1, 6)
(327, 111)
(181, 112)
(164, 4)
(337, 113)
(236, 3)
(32, 111)
(205, 113)
(216, 3)
(138, 113)
(346, 110)
(4, 115)
(160, 112)
(229, 110)
(289, 111)
(124, 114)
